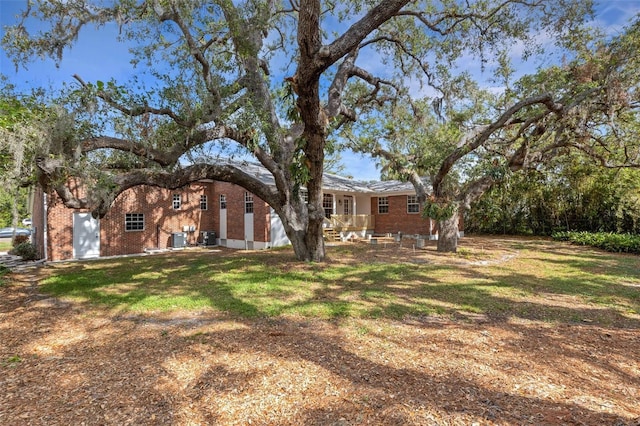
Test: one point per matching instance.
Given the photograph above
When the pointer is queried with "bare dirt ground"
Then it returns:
(64, 363)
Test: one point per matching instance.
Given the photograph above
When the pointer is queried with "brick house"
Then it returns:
(211, 212)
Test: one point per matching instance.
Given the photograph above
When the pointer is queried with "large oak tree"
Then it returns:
(210, 73)
(589, 105)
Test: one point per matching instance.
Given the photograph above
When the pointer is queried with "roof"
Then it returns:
(330, 181)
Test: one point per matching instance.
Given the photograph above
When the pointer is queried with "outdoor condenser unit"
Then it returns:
(179, 239)
(208, 238)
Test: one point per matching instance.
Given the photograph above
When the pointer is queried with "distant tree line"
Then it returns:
(576, 196)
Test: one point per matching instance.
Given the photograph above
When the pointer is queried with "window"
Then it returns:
(177, 201)
(383, 205)
(348, 205)
(223, 202)
(134, 222)
(248, 202)
(412, 204)
(304, 196)
(203, 202)
(327, 205)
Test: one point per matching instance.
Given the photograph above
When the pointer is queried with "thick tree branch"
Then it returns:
(379, 14)
(480, 135)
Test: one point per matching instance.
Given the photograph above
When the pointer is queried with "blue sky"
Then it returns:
(98, 56)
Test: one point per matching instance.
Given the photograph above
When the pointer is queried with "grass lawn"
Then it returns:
(5, 245)
(537, 280)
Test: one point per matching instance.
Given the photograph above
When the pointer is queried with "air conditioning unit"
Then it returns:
(208, 238)
(179, 240)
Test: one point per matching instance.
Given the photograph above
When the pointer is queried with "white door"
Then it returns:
(248, 226)
(223, 219)
(348, 205)
(248, 219)
(86, 236)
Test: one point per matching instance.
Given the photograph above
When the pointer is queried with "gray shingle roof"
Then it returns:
(330, 182)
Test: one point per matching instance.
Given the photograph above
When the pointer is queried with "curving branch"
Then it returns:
(196, 50)
(330, 54)
(137, 110)
(441, 26)
(481, 134)
(54, 170)
(397, 162)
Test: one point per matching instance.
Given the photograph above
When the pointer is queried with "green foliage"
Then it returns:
(11, 361)
(7, 202)
(617, 243)
(572, 194)
(438, 209)
(26, 250)
(3, 271)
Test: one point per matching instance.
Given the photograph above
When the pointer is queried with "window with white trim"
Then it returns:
(248, 202)
(134, 222)
(383, 205)
(203, 202)
(413, 206)
(177, 201)
(223, 202)
(327, 205)
(304, 196)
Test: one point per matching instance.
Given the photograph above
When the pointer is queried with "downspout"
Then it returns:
(45, 233)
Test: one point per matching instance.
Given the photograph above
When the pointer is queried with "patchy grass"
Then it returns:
(539, 281)
(3, 271)
(5, 245)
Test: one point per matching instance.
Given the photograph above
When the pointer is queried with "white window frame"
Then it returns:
(413, 206)
(134, 222)
(204, 202)
(177, 201)
(248, 203)
(383, 205)
(327, 205)
(223, 202)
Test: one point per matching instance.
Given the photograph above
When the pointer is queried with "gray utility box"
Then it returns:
(208, 238)
(179, 239)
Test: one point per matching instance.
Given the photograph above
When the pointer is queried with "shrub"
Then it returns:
(26, 250)
(625, 243)
(19, 239)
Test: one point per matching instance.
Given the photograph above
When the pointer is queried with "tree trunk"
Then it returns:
(448, 234)
(306, 237)
(308, 245)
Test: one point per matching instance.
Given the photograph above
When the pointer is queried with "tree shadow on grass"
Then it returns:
(255, 286)
(185, 371)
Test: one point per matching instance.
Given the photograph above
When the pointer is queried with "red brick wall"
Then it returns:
(235, 213)
(160, 219)
(261, 220)
(60, 225)
(398, 220)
